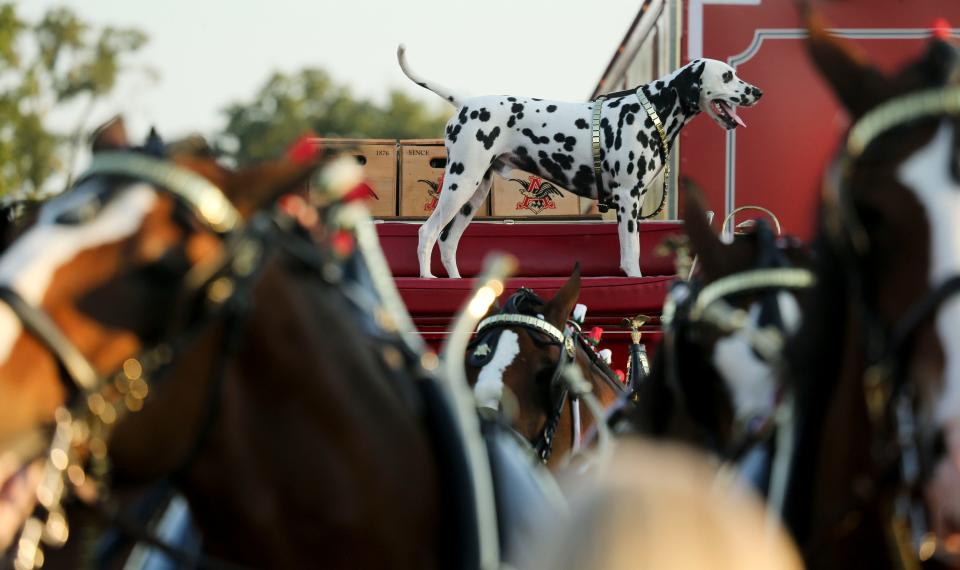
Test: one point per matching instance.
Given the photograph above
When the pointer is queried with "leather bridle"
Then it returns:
(568, 340)
(890, 399)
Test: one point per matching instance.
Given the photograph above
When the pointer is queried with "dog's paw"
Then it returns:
(427, 276)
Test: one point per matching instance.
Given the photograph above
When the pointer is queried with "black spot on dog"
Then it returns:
(581, 124)
(555, 170)
(484, 114)
(511, 99)
(641, 165)
(648, 123)
(569, 143)
(643, 139)
(474, 114)
(516, 108)
(559, 137)
(564, 160)
(630, 226)
(543, 125)
(616, 167)
(535, 99)
(537, 110)
(615, 103)
(446, 231)
(456, 168)
(536, 139)
(463, 116)
(452, 132)
(630, 168)
(727, 76)
(519, 115)
(631, 155)
(511, 121)
(487, 140)
(551, 108)
(583, 181)
(653, 166)
(629, 119)
(453, 187)
(607, 133)
(466, 210)
(450, 98)
(524, 161)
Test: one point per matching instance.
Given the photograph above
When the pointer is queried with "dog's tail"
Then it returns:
(448, 95)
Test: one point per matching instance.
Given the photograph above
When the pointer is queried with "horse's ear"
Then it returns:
(704, 243)
(558, 309)
(253, 187)
(857, 84)
(111, 135)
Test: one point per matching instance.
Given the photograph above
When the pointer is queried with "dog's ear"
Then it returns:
(857, 84)
(704, 243)
(688, 85)
(558, 309)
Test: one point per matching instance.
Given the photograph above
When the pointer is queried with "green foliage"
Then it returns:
(44, 65)
(287, 106)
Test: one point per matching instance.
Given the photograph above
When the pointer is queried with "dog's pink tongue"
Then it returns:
(732, 111)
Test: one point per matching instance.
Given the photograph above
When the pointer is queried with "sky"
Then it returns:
(209, 53)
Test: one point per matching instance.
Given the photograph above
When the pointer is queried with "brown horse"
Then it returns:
(295, 440)
(522, 350)
(874, 366)
(714, 383)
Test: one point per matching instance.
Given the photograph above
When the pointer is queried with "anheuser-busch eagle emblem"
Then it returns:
(433, 194)
(537, 194)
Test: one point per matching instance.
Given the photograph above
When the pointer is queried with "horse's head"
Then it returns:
(113, 267)
(892, 225)
(717, 363)
(521, 350)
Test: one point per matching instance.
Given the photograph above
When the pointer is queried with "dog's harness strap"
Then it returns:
(664, 148)
(603, 197)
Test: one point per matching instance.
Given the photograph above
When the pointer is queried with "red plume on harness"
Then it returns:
(941, 29)
(361, 191)
(304, 149)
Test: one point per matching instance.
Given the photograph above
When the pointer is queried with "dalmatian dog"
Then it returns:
(553, 139)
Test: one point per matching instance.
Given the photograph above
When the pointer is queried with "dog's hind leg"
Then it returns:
(452, 232)
(457, 190)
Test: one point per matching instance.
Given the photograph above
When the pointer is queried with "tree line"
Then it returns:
(61, 62)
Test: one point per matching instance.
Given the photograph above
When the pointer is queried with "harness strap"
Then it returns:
(205, 199)
(82, 373)
(604, 201)
(920, 311)
(526, 321)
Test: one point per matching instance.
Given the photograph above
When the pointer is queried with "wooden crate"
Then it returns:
(422, 163)
(379, 160)
(525, 195)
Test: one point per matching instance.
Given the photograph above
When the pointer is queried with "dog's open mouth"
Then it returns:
(727, 113)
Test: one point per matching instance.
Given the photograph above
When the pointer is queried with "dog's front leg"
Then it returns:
(629, 233)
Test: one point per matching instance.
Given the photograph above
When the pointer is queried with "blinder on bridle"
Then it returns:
(520, 310)
(96, 402)
(890, 400)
